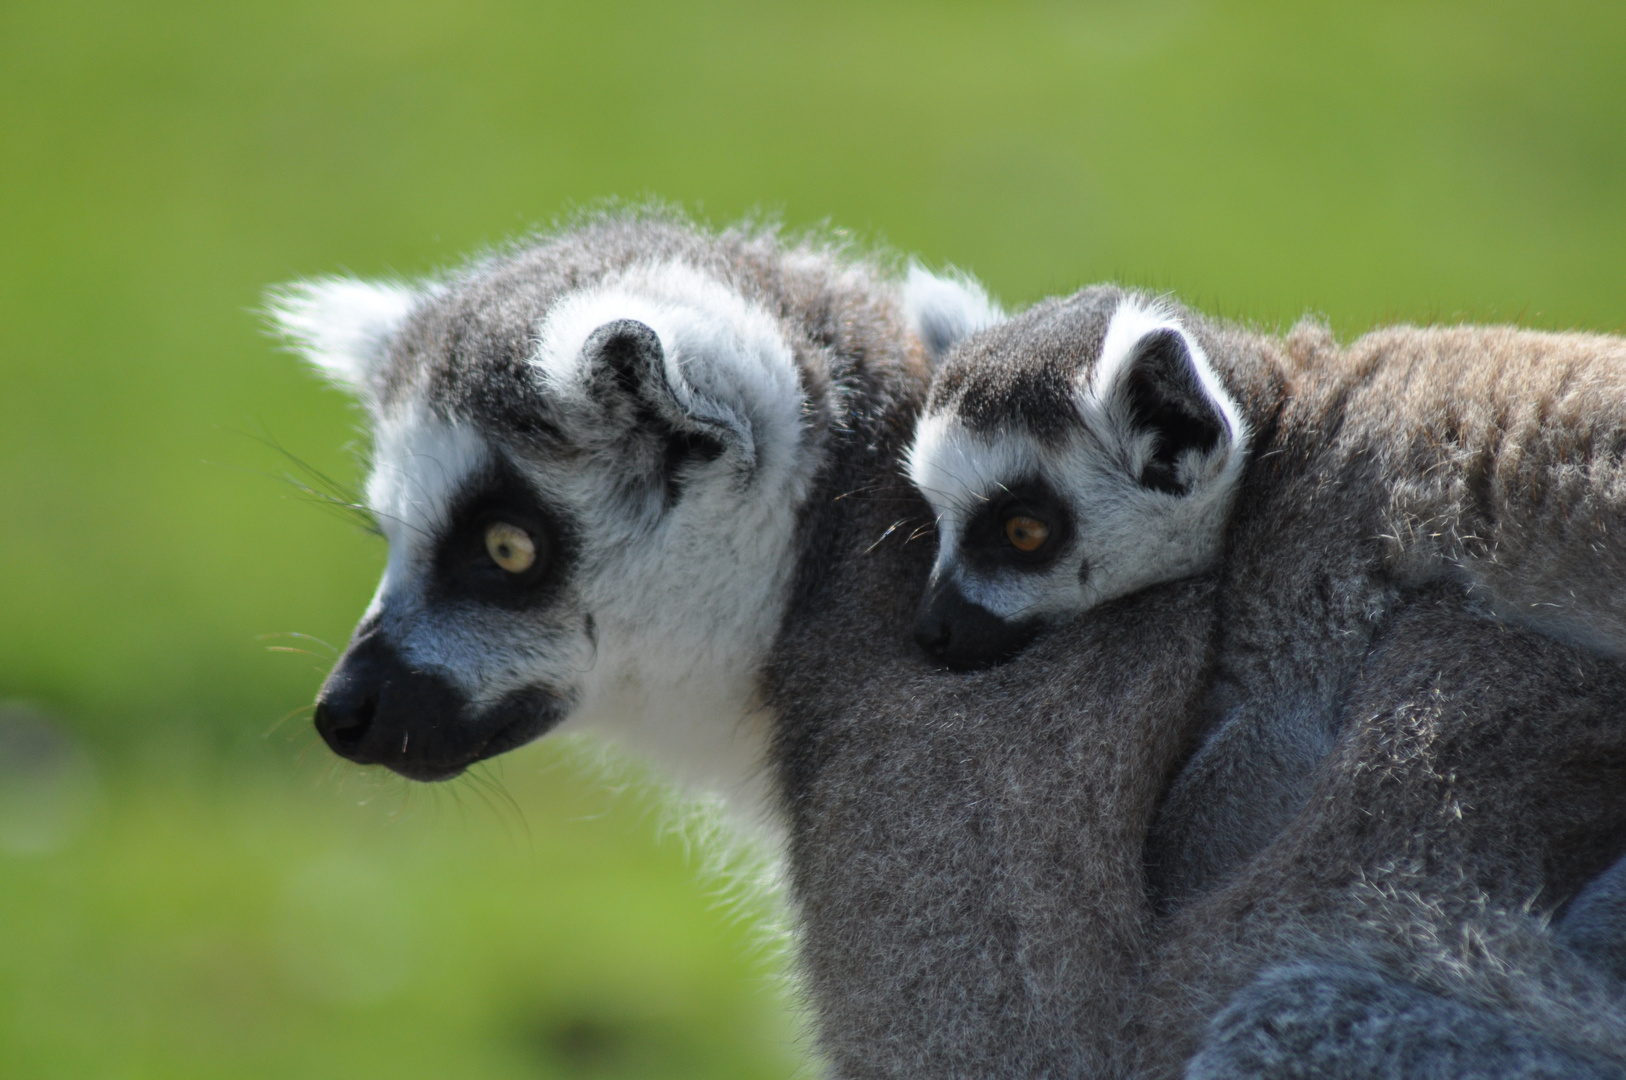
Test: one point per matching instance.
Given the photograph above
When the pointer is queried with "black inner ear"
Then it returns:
(1166, 397)
(682, 448)
(632, 355)
(630, 350)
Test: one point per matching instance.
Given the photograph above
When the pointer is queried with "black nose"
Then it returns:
(933, 633)
(954, 631)
(378, 709)
(374, 706)
(344, 717)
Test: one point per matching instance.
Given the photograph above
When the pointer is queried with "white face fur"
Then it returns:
(1136, 491)
(659, 612)
(659, 524)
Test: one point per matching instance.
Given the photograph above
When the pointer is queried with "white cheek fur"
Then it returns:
(959, 471)
(669, 611)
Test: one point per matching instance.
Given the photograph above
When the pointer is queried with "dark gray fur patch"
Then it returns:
(464, 351)
(1595, 924)
(1021, 373)
(1324, 1021)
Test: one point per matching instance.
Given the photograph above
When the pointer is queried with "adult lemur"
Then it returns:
(1109, 441)
(641, 477)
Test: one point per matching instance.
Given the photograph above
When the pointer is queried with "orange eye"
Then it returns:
(1025, 533)
(510, 547)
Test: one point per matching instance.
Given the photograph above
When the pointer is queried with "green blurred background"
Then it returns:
(188, 889)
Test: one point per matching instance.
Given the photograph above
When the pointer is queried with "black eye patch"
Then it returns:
(988, 540)
(464, 567)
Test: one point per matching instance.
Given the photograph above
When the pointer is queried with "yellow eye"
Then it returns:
(1025, 533)
(510, 547)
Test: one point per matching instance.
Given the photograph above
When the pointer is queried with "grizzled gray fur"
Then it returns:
(645, 479)
(1324, 1020)
(982, 832)
(1310, 1021)
(1475, 787)
(1150, 443)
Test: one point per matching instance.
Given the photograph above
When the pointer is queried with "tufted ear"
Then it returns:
(342, 325)
(943, 309)
(1156, 384)
(625, 361)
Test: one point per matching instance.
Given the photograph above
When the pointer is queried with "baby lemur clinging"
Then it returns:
(1108, 441)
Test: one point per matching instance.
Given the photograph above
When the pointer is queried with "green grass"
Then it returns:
(162, 163)
(238, 926)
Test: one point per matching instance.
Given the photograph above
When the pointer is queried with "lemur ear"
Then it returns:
(942, 309)
(624, 358)
(1159, 384)
(342, 326)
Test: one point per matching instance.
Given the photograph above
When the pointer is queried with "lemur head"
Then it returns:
(586, 491)
(1079, 452)
(588, 460)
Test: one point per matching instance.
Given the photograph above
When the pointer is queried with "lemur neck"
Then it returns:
(708, 734)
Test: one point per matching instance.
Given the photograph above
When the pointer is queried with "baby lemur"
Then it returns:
(1108, 441)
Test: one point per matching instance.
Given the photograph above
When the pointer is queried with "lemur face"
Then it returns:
(1075, 454)
(589, 498)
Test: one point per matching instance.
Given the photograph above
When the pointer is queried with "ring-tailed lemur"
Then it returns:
(592, 458)
(1110, 440)
(637, 474)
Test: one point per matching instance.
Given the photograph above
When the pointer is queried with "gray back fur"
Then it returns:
(1481, 455)
(966, 849)
(1475, 788)
(1327, 1021)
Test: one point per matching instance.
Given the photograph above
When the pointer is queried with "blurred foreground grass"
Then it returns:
(220, 905)
(189, 923)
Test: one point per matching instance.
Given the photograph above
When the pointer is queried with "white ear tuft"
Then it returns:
(943, 309)
(342, 325)
(1154, 384)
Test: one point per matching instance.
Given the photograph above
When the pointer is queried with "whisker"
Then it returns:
(329, 484)
(470, 781)
(889, 531)
(327, 774)
(496, 796)
(312, 638)
(285, 717)
(856, 491)
(318, 487)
